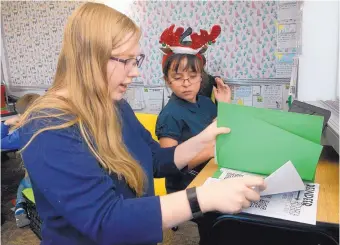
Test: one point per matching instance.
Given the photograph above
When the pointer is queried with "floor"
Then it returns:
(11, 174)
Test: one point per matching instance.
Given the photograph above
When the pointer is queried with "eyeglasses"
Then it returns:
(132, 62)
(194, 78)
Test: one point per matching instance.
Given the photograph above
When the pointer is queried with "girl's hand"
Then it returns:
(230, 195)
(222, 92)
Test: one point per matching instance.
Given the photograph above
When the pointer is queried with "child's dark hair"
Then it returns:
(173, 61)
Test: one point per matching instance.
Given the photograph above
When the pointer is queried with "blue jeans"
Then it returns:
(24, 183)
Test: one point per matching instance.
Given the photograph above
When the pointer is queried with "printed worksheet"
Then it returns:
(242, 95)
(153, 100)
(272, 96)
(299, 206)
(288, 10)
(134, 96)
(283, 70)
(287, 28)
(286, 40)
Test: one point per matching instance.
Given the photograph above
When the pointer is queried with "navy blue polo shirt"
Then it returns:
(180, 120)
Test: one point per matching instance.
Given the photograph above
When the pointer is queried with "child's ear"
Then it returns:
(166, 80)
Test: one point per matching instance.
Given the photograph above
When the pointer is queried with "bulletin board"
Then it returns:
(246, 48)
(32, 35)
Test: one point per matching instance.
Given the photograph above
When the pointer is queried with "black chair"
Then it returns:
(232, 230)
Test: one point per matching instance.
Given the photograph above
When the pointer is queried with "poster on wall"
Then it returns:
(284, 64)
(288, 10)
(135, 97)
(260, 96)
(257, 97)
(272, 96)
(153, 97)
(242, 95)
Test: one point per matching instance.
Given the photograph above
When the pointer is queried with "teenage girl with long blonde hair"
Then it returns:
(92, 163)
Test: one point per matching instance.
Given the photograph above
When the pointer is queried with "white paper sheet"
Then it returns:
(134, 96)
(298, 206)
(258, 101)
(285, 179)
(256, 90)
(288, 10)
(153, 100)
(242, 95)
(286, 40)
(287, 28)
(272, 96)
(257, 97)
(283, 70)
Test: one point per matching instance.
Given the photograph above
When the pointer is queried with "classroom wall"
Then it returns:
(320, 49)
(32, 35)
(245, 49)
(338, 84)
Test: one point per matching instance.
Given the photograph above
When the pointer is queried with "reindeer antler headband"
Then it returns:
(173, 41)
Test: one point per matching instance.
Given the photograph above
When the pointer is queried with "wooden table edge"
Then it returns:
(211, 167)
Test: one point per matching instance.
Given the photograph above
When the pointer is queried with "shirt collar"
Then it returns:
(194, 107)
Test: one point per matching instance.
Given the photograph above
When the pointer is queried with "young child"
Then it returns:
(11, 141)
(187, 113)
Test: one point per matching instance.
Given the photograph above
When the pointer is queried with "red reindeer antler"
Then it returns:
(171, 38)
(200, 40)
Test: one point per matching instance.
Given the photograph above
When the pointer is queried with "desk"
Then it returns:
(327, 175)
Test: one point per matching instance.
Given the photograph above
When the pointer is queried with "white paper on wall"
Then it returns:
(242, 95)
(134, 96)
(153, 98)
(258, 101)
(256, 90)
(257, 97)
(284, 64)
(286, 41)
(283, 70)
(287, 28)
(288, 10)
(272, 96)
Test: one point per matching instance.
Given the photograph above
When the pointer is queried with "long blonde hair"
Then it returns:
(25, 101)
(91, 33)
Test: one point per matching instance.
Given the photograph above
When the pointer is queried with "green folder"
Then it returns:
(262, 140)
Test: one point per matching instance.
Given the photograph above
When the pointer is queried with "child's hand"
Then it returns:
(12, 121)
(222, 92)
